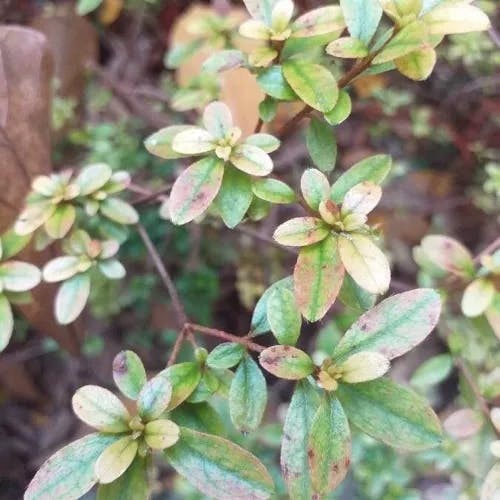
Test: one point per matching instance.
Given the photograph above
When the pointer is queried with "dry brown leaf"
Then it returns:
(25, 80)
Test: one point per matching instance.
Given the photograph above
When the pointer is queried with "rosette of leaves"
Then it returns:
(272, 22)
(208, 29)
(83, 256)
(348, 387)
(335, 237)
(119, 455)
(16, 280)
(443, 257)
(54, 200)
(226, 171)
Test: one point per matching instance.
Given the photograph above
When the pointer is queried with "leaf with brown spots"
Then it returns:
(329, 448)
(394, 326)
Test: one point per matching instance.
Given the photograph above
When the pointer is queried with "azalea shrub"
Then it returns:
(310, 60)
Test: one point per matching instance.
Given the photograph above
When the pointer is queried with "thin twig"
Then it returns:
(483, 405)
(177, 347)
(213, 332)
(491, 248)
(164, 275)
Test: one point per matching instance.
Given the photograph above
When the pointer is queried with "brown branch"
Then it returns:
(213, 332)
(164, 275)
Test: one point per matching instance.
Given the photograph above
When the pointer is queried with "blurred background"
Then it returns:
(100, 84)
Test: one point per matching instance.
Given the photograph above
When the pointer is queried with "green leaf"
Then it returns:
(411, 37)
(154, 397)
(116, 459)
(448, 254)
(251, 160)
(393, 327)
(318, 277)
(301, 231)
(234, 197)
(133, 485)
(321, 144)
(119, 211)
(85, 7)
(417, 65)
(373, 169)
(225, 355)
(432, 371)
(217, 119)
(315, 187)
(273, 191)
(69, 473)
(129, 373)
(181, 53)
(247, 396)
(200, 417)
(294, 459)
(93, 177)
(71, 298)
(6, 322)
(266, 142)
(348, 48)
(318, 22)
(100, 409)
(259, 322)
(284, 316)
(362, 17)
(341, 111)
(224, 60)
(456, 17)
(16, 276)
(477, 297)
(11, 244)
(273, 83)
(160, 143)
(355, 297)
(313, 83)
(268, 109)
(112, 269)
(329, 448)
(183, 377)
(380, 407)
(219, 468)
(195, 189)
(286, 362)
(365, 262)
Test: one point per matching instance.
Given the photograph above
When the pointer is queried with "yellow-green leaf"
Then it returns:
(315, 187)
(321, 144)
(456, 17)
(193, 141)
(217, 119)
(348, 48)
(160, 143)
(100, 409)
(319, 21)
(313, 83)
(161, 434)
(365, 262)
(251, 160)
(183, 377)
(477, 297)
(301, 231)
(71, 298)
(154, 397)
(417, 65)
(6, 322)
(61, 221)
(129, 373)
(16, 276)
(362, 198)
(364, 366)
(286, 362)
(273, 191)
(115, 459)
(284, 316)
(342, 109)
